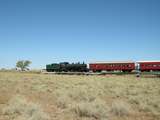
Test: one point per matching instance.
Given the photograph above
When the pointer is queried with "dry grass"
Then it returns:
(78, 97)
(19, 108)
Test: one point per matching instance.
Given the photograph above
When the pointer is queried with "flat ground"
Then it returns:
(28, 96)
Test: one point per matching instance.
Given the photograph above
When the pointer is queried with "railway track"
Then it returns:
(142, 74)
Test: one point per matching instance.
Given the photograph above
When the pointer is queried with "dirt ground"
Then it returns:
(29, 96)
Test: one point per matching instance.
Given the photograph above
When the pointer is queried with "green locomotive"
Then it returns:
(66, 67)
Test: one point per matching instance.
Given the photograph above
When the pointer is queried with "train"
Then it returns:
(123, 66)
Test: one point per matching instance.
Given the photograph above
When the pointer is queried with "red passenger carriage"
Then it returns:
(125, 66)
(149, 65)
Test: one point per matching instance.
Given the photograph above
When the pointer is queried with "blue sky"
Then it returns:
(46, 31)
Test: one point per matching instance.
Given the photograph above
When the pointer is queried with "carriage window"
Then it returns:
(151, 65)
(154, 65)
(146, 65)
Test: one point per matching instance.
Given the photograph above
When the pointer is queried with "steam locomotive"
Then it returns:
(124, 66)
(67, 67)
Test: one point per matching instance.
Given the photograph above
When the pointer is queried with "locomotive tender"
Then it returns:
(124, 66)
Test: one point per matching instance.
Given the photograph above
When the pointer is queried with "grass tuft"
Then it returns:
(120, 108)
(96, 109)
